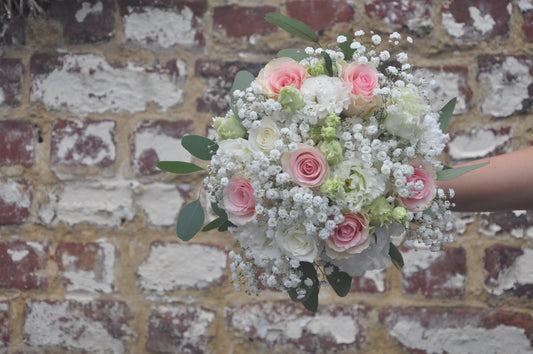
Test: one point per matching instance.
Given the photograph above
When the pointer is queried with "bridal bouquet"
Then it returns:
(324, 156)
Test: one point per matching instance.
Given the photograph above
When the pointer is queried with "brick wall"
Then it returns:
(94, 94)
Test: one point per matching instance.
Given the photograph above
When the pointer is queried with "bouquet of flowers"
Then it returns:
(324, 157)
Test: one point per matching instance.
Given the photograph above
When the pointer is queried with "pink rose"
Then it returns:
(306, 165)
(422, 198)
(364, 80)
(350, 237)
(239, 201)
(279, 73)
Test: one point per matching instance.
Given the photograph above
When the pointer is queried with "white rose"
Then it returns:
(235, 148)
(407, 114)
(264, 137)
(294, 242)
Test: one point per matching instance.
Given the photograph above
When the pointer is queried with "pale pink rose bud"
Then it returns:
(306, 165)
(279, 73)
(239, 201)
(364, 80)
(350, 237)
(422, 198)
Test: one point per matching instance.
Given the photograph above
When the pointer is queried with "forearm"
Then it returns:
(506, 183)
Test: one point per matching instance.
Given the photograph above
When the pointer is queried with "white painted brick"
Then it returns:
(161, 203)
(517, 275)
(478, 143)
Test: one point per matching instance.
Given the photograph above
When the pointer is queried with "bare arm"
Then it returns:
(506, 183)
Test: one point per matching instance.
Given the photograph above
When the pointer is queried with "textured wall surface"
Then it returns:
(96, 92)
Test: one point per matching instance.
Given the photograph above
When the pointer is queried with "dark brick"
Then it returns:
(16, 143)
(13, 32)
(23, 265)
(320, 14)
(414, 15)
(506, 270)
(239, 21)
(15, 200)
(11, 74)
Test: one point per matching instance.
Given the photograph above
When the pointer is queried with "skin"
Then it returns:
(506, 183)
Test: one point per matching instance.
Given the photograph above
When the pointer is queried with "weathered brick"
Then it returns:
(13, 32)
(478, 143)
(372, 281)
(320, 14)
(87, 267)
(96, 326)
(527, 26)
(154, 195)
(415, 15)
(83, 143)
(88, 83)
(285, 326)
(182, 329)
(475, 20)
(509, 83)
(105, 203)
(85, 21)
(240, 21)
(163, 24)
(15, 200)
(459, 330)
(449, 82)
(517, 223)
(508, 270)
(173, 266)
(435, 274)
(219, 76)
(158, 140)
(23, 264)
(11, 73)
(5, 325)
(17, 140)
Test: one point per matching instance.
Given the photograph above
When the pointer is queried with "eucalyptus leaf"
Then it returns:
(214, 224)
(310, 301)
(340, 281)
(345, 47)
(293, 53)
(294, 27)
(225, 225)
(452, 173)
(242, 81)
(199, 146)
(190, 220)
(446, 113)
(179, 167)
(396, 256)
(329, 63)
(218, 210)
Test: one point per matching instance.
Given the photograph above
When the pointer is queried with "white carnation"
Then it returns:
(324, 94)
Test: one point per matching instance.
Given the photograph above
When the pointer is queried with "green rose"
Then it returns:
(380, 211)
(332, 151)
(228, 127)
(332, 120)
(291, 99)
(328, 133)
(331, 187)
(318, 69)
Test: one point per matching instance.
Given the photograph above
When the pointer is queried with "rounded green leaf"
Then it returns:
(451, 173)
(446, 113)
(341, 282)
(396, 256)
(293, 53)
(190, 220)
(292, 26)
(199, 146)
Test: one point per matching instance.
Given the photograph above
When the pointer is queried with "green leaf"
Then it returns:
(294, 27)
(199, 146)
(214, 224)
(310, 300)
(340, 281)
(396, 256)
(218, 210)
(243, 79)
(190, 220)
(446, 113)
(179, 167)
(452, 173)
(225, 225)
(293, 53)
(345, 47)
(329, 64)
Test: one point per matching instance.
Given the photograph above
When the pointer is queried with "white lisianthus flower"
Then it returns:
(264, 137)
(324, 94)
(235, 149)
(295, 243)
(405, 120)
(253, 239)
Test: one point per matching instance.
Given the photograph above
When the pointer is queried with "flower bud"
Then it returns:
(291, 99)
(228, 127)
(400, 214)
(380, 211)
(332, 151)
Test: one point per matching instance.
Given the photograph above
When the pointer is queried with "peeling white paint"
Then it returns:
(196, 325)
(525, 5)
(89, 84)
(4, 306)
(167, 147)
(505, 96)
(10, 193)
(447, 86)
(453, 28)
(483, 24)
(17, 255)
(175, 266)
(487, 228)
(87, 9)
(166, 28)
(457, 281)
(377, 276)
(519, 273)
(479, 143)
(2, 96)
(467, 339)
(416, 260)
(341, 328)
(161, 203)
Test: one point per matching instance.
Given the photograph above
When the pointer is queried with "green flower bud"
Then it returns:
(331, 187)
(315, 133)
(332, 120)
(318, 69)
(380, 211)
(228, 127)
(332, 151)
(328, 133)
(400, 214)
(291, 99)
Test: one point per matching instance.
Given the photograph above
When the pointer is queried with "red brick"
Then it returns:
(11, 74)
(507, 270)
(240, 21)
(83, 143)
(85, 22)
(23, 264)
(219, 76)
(527, 27)
(287, 326)
(87, 267)
(435, 274)
(516, 223)
(182, 329)
(15, 200)
(475, 20)
(320, 14)
(5, 324)
(373, 281)
(13, 32)
(159, 140)
(459, 330)
(16, 143)
(415, 15)
(95, 326)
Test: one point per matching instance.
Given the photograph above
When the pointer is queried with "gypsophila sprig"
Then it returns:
(321, 161)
